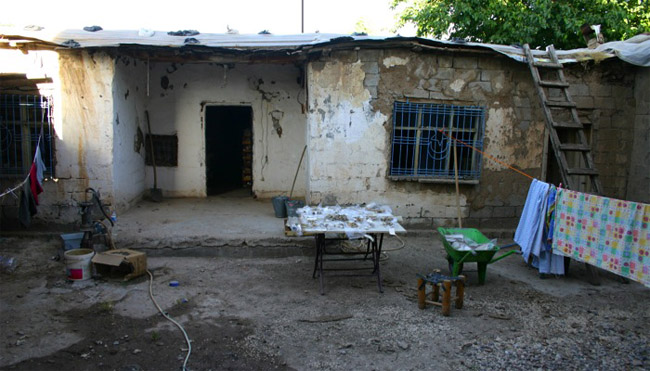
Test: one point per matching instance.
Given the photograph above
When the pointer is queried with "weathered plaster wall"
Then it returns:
(84, 149)
(129, 126)
(351, 100)
(179, 93)
(346, 136)
(638, 186)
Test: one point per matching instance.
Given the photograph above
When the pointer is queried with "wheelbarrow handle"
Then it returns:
(506, 254)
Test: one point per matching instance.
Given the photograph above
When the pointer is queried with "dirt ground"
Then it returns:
(267, 313)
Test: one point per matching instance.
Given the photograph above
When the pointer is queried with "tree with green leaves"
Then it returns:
(536, 22)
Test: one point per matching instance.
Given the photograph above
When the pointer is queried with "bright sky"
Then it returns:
(246, 16)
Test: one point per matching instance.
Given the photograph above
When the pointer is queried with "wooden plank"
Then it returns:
(561, 104)
(421, 293)
(574, 147)
(554, 84)
(582, 171)
(14, 83)
(548, 65)
(567, 125)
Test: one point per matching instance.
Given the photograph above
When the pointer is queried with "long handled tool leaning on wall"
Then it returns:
(155, 193)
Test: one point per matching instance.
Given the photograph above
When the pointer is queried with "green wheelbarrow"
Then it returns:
(482, 258)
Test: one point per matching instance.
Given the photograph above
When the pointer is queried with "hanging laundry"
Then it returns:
(605, 232)
(530, 233)
(35, 186)
(40, 165)
(27, 208)
(527, 234)
(36, 175)
(550, 218)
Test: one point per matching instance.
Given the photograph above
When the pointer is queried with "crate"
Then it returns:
(123, 264)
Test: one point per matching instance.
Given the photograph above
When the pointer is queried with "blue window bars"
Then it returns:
(21, 119)
(422, 147)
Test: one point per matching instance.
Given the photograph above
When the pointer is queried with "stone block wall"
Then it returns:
(638, 185)
(514, 130)
(605, 93)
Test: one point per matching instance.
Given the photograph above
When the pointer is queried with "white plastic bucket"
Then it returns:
(78, 265)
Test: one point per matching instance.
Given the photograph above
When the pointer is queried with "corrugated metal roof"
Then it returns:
(635, 50)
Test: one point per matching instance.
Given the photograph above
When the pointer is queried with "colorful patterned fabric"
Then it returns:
(608, 233)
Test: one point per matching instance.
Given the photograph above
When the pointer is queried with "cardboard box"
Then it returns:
(122, 264)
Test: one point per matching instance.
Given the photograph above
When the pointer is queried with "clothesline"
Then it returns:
(485, 154)
(11, 190)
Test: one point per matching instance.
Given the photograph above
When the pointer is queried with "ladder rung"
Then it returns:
(575, 147)
(548, 65)
(567, 125)
(555, 103)
(554, 84)
(582, 171)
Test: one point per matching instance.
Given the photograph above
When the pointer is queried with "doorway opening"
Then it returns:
(228, 149)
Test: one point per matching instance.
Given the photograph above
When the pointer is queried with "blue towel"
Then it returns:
(528, 234)
(530, 231)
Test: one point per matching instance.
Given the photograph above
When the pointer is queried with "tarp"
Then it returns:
(635, 50)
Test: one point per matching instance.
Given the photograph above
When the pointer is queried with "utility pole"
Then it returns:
(302, 16)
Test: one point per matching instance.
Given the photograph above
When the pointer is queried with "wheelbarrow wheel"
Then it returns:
(451, 266)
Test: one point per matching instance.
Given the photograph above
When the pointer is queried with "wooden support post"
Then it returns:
(446, 298)
(460, 291)
(422, 288)
(460, 220)
(435, 293)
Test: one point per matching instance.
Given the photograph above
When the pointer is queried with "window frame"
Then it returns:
(165, 149)
(415, 130)
(19, 116)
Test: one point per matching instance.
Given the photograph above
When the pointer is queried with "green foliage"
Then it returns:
(361, 27)
(536, 22)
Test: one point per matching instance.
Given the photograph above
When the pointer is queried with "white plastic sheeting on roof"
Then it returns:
(635, 50)
(110, 38)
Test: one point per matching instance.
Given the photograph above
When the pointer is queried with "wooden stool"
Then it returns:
(438, 281)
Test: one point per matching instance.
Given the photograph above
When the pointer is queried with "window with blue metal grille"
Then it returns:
(422, 148)
(22, 117)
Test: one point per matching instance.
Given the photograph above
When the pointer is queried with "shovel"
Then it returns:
(155, 194)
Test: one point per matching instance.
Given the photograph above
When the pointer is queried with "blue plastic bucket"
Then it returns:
(279, 206)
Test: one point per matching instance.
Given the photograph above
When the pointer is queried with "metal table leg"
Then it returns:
(377, 249)
(318, 264)
(316, 260)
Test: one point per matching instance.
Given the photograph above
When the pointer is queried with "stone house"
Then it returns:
(236, 111)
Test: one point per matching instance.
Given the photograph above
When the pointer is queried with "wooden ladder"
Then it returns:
(567, 133)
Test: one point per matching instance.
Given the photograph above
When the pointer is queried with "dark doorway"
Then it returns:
(228, 148)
